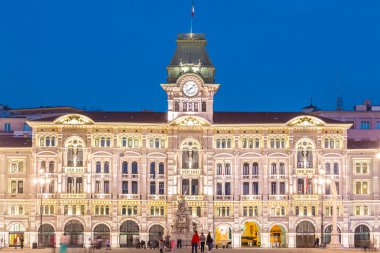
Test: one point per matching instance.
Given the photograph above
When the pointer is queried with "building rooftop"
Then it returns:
(363, 144)
(15, 142)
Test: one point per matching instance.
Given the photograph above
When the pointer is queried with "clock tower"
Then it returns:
(190, 84)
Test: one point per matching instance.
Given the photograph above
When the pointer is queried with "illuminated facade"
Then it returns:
(249, 178)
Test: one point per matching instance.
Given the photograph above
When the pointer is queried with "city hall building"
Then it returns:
(253, 179)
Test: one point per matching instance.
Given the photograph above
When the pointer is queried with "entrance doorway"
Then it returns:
(223, 236)
(328, 234)
(129, 234)
(362, 236)
(46, 235)
(74, 231)
(305, 232)
(16, 233)
(277, 237)
(250, 236)
(156, 233)
(102, 232)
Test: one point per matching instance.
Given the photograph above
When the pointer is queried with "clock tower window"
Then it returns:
(176, 106)
(203, 106)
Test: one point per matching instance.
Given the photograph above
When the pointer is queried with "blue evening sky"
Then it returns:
(112, 55)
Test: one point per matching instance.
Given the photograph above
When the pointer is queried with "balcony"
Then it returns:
(46, 195)
(306, 197)
(129, 196)
(73, 195)
(331, 197)
(250, 197)
(305, 171)
(223, 177)
(278, 177)
(157, 197)
(156, 176)
(223, 197)
(102, 196)
(278, 197)
(190, 172)
(74, 170)
(193, 197)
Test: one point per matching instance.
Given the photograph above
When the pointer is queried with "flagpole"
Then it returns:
(192, 16)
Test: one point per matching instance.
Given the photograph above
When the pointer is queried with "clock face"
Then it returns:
(190, 88)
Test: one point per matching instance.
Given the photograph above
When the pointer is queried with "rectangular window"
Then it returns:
(245, 188)
(377, 124)
(273, 188)
(7, 127)
(124, 187)
(365, 124)
(161, 188)
(152, 188)
(361, 187)
(134, 187)
(255, 188)
(97, 187)
(20, 188)
(106, 187)
(282, 188)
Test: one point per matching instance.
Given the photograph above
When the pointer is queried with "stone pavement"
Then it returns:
(187, 250)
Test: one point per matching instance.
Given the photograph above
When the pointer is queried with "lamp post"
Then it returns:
(41, 180)
(320, 181)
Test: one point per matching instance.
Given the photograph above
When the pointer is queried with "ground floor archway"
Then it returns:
(102, 234)
(16, 234)
(74, 232)
(129, 234)
(362, 236)
(250, 234)
(305, 235)
(277, 236)
(223, 235)
(46, 235)
(327, 234)
(156, 233)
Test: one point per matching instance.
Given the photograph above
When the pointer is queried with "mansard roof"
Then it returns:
(219, 117)
(8, 141)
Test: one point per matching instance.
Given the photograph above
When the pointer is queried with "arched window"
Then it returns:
(190, 155)
(108, 142)
(245, 211)
(152, 168)
(305, 154)
(98, 167)
(74, 152)
(204, 106)
(327, 169)
(255, 168)
(124, 167)
(282, 169)
(47, 143)
(273, 169)
(219, 189)
(250, 211)
(227, 188)
(336, 169)
(176, 106)
(134, 168)
(219, 169)
(227, 169)
(245, 169)
(106, 167)
(43, 165)
(51, 167)
(161, 168)
(124, 141)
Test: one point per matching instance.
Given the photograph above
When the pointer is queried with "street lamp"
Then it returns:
(320, 181)
(41, 180)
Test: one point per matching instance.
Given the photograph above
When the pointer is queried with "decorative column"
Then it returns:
(334, 243)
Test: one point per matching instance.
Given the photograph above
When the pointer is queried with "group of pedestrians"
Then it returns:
(202, 240)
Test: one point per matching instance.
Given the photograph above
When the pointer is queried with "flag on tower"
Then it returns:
(192, 9)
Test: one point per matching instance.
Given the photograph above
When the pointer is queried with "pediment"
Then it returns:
(306, 121)
(190, 121)
(74, 119)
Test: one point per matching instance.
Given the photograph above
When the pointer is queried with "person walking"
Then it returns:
(161, 246)
(179, 243)
(209, 241)
(203, 241)
(22, 242)
(194, 242)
